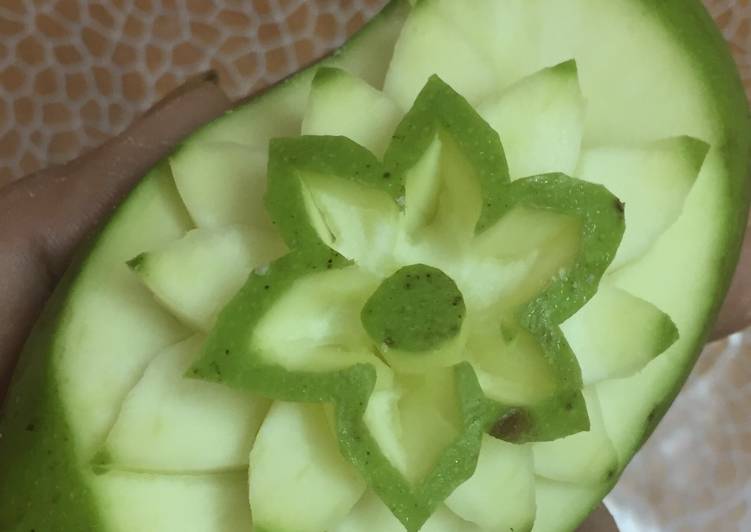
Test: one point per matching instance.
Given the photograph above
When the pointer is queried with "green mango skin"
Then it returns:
(31, 496)
(711, 58)
(40, 481)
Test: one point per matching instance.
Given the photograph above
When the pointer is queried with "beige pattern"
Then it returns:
(73, 72)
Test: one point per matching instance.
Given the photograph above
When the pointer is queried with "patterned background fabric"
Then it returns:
(73, 72)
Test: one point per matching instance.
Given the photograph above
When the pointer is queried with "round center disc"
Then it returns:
(417, 309)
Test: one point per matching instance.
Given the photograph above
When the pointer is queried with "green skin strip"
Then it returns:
(230, 358)
(603, 225)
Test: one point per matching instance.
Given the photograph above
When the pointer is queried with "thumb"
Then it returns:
(44, 216)
(599, 521)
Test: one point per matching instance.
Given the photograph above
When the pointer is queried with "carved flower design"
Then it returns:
(425, 286)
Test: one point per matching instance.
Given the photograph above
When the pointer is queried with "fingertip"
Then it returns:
(599, 521)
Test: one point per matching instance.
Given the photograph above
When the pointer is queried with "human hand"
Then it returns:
(45, 216)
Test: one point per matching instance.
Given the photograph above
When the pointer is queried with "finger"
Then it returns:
(736, 311)
(44, 216)
(599, 521)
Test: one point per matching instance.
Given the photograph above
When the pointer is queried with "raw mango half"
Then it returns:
(446, 280)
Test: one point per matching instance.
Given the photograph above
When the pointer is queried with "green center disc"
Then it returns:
(417, 309)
